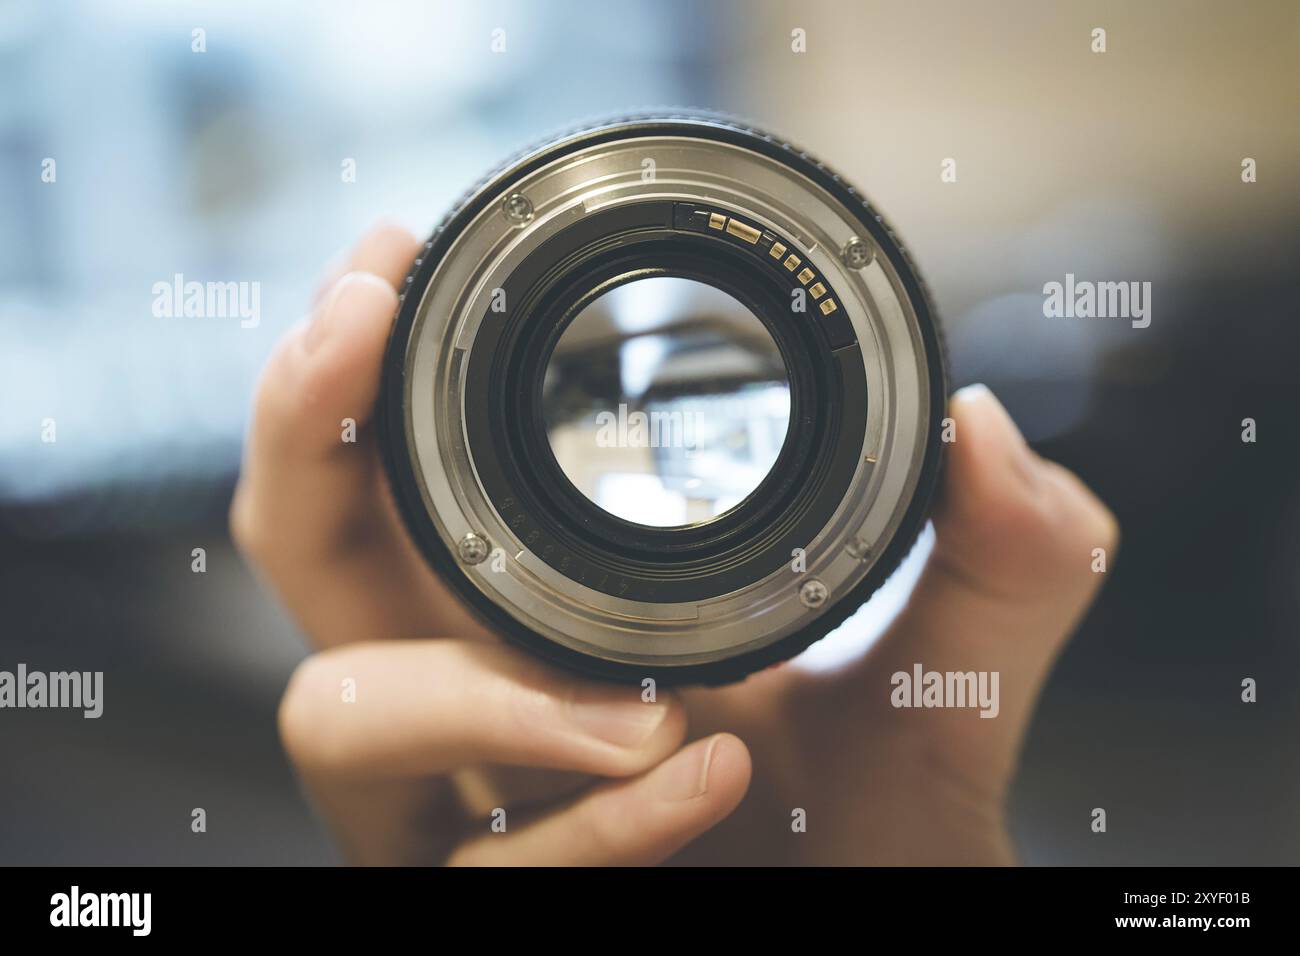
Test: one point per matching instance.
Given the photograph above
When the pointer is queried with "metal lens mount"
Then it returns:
(465, 441)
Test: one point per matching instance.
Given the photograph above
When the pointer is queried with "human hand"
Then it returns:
(446, 725)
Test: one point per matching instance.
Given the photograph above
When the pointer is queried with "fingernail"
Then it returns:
(618, 717)
(973, 392)
(1021, 456)
(687, 775)
(354, 293)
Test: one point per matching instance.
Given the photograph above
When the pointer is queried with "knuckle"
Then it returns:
(243, 527)
(1081, 518)
(1037, 539)
(302, 718)
(1108, 526)
(287, 391)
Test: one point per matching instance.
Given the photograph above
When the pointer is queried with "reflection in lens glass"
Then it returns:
(666, 401)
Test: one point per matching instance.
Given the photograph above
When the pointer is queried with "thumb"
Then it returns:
(311, 509)
(1011, 574)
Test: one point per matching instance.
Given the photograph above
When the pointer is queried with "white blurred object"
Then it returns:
(855, 637)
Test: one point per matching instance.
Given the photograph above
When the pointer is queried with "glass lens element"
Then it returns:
(666, 401)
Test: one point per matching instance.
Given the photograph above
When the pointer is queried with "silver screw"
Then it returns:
(518, 208)
(472, 549)
(813, 593)
(857, 254)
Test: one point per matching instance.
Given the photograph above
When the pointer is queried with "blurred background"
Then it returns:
(231, 165)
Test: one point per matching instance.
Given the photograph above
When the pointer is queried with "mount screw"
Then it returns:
(472, 549)
(813, 593)
(518, 208)
(857, 254)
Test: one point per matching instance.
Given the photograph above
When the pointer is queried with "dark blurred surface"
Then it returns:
(1117, 166)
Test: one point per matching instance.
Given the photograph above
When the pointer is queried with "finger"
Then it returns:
(635, 822)
(325, 371)
(312, 508)
(418, 708)
(386, 250)
(1011, 574)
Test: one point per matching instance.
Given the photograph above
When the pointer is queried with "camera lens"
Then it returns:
(663, 399)
(666, 401)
